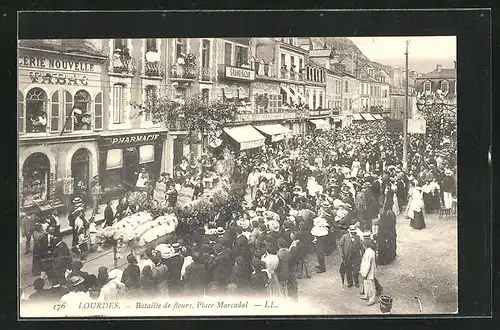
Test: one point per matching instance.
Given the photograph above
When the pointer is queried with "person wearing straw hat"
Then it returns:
(448, 187)
(77, 293)
(350, 251)
(114, 288)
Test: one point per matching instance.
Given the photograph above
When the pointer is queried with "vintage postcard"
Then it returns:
(237, 176)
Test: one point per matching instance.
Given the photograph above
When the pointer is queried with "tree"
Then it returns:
(193, 114)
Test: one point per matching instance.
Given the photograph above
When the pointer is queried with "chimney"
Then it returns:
(439, 67)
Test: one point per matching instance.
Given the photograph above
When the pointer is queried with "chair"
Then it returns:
(442, 211)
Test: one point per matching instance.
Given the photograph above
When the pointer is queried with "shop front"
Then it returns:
(122, 158)
(274, 133)
(244, 138)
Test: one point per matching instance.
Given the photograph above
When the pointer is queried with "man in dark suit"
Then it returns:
(40, 249)
(28, 228)
(283, 270)
(108, 215)
(351, 251)
(221, 264)
(242, 249)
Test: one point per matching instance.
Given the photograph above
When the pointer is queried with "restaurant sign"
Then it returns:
(239, 73)
(130, 139)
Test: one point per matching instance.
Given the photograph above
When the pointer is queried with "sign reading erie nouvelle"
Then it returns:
(51, 78)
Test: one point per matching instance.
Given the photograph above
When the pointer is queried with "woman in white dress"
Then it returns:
(416, 209)
(270, 258)
(355, 167)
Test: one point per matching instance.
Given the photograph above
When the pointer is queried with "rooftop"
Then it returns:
(439, 74)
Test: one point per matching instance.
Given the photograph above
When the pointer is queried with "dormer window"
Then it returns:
(445, 86)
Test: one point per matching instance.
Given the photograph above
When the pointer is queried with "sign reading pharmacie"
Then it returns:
(131, 139)
(239, 73)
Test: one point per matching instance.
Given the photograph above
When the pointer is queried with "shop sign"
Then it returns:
(131, 139)
(55, 64)
(239, 73)
(57, 79)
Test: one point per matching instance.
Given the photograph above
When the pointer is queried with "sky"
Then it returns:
(380, 48)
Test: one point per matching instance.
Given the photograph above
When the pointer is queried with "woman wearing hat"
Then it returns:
(386, 236)
(174, 265)
(416, 209)
(320, 233)
(131, 275)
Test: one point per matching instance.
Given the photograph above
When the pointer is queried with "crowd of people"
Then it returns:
(334, 191)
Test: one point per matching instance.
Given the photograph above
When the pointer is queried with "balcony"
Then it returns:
(256, 117)
(235, 73)
(176, 126)
(206, 74)
(183, 72)
(122, 67)
(153, 69)
(291, 75)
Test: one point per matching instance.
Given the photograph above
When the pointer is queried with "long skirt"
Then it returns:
(427, 202)
(274, 288)
(386, 249)
(418, 221)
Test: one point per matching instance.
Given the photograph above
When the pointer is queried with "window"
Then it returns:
(292, 63)
(98, 114)
(241, 55)
(280, 103)
(346, 88)
(228, 53)
(445, 86)
(68, 110)
(205, 54)
(273, 103)
(314, 101)
(36, 169)
(146, 154)
(151, 45)
(20, 99)
(119, 44)
(82, 114)
(118, 103)
(180, 47)
(350, 104)
(114, 159)
(427, 87)
(205, 95)
(320, 100)
(54, 112)
(300, 64)
(283, 60)
(345, 103)
(36, 111)
(151, 95)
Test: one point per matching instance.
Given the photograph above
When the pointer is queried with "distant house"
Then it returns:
(439, 79)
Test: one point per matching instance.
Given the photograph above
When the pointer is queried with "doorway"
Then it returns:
(80, 167)
(131, 165)
(178, 150)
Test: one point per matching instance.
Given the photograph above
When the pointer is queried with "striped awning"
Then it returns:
(247, 136)
(277, 132)
(367, 116)
(357, 116)
(320, 123)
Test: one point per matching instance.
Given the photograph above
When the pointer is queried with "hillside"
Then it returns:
(348, 47)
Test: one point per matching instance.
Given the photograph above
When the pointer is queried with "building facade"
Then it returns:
(440, 79)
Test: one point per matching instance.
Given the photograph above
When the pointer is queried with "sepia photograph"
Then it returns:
(237, 176)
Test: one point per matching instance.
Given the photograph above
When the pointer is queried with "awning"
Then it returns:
(320, 123)
(247, 136)
(297, 94)
(357, 116)
(337, 120)
(367, 116)
(277, 132)
(378, 116)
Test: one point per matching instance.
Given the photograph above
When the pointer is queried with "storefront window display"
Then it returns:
(36, 170)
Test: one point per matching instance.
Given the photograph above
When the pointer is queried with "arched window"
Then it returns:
(20, 110)
(427, 87)
(36, 111)
(151, 45)
(82, 114)
(36, 169)
(445, 86)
